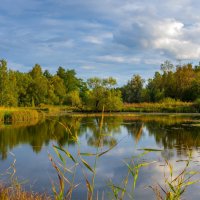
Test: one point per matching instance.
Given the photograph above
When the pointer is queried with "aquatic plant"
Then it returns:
(175, 185)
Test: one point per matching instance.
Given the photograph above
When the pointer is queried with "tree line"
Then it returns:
(181, 82)
(38, 87)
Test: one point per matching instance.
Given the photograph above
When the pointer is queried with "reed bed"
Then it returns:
(17, 115)
(17, 193)
(163, 107)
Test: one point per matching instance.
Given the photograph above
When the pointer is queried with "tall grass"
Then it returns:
(162, 107)
(19, 115)
(15, 191)
(175, 185)
(133, 167)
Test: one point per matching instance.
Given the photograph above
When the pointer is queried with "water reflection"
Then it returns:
(174, 134)
(168, 132)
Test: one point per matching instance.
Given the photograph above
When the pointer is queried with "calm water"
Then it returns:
(174, 135)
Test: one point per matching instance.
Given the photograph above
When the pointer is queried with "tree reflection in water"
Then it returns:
(169, 131)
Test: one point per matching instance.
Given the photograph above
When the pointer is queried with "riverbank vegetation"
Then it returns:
(15, 192)
(15, 116)
(172, 89)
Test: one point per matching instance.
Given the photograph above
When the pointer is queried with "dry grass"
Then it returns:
(17, 115)
(170, 107)
(16, 193)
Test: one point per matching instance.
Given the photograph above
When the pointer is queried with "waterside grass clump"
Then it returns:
(157, 107)
(51, 110)
(161, 107)
(17, 193)
(19, 115)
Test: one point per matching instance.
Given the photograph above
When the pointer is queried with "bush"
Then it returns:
(197, 104)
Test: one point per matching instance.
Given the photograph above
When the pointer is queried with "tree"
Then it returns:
(71, 82)
(184, 77)
(3, 82)
(132, 92)
(8, 86)
(73, 98)
(155, 91)
(47, 74)
(104, 95)
(23, 81)
(59, 88)
(38, 88)
(167, 66)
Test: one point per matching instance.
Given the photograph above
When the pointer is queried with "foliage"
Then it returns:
(133, 166)
(197, 104)
(103, 95)
(165, 106)
(182, 83)
(132, 92)
(65, 88)
(175, 186)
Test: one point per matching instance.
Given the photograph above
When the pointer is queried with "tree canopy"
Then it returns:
(38, 87)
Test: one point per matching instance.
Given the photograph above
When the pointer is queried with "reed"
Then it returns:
(19, 115)
(175, 185)
(162, 107)
(17, 193)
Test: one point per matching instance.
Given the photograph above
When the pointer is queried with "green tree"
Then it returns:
(71, 82)
(59, 88)
(47, 74)
(8, 86)
(184, 77)
(73, 98)
(167, 66)
(23, 81)
(155, 91)
(104, 95)
(38, 88)
(132, 92)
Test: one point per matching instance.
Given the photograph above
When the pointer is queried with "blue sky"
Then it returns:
(102, 38)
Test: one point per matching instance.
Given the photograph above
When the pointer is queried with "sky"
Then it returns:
(101, 38)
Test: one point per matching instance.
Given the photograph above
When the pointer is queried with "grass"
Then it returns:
(14, 191)
(159, 107)
(175, 185)
(17, 193)
(133, 167)
(19, 115)
(52, 110)
(162, 107)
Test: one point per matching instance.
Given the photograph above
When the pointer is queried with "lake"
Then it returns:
(169, 137)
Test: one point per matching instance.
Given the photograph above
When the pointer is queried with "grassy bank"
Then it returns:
(19, 115)
(33, 115)
(15, 192)
(174, 107)
(162, 107)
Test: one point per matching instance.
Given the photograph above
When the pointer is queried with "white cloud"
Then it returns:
(93, 39)
(120, 36)
(98, 38)
(88, 67)
(118, 59)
